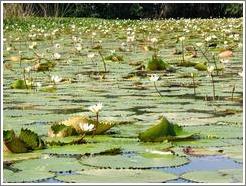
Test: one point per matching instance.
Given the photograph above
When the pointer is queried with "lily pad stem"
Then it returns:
(157, 89)
(194, 85)
(233, 90)
(104, 63)
(213, 86)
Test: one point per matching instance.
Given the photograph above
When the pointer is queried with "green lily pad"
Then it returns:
(118, 176)
(82, 149)
(145, 160)
(50, 164)
(12, 157)
(25, 176)
(220, 176)
(164, 131)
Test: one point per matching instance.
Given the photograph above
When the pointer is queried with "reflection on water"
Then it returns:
(205, 163)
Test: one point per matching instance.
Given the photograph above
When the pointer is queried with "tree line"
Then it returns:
(125, 10)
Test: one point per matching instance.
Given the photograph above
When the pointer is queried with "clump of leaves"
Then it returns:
(114, 57)
(156, 63)
(27, 141)
(20, 84)
(165, 130)
(201, 66)
(77, 121)
(61, 130)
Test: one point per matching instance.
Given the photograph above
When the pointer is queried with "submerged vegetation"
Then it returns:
(84, 96)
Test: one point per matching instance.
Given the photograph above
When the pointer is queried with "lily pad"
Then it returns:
(82, 149)
(25, 176)
(50, 164)
(118, 176)
(164, 131)
(220, 176)
(12, 157)
(146, 160)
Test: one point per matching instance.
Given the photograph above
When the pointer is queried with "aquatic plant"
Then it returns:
(154, 78)
(95, 109)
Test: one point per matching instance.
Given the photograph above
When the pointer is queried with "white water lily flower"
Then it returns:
(8, 48)
(153, 40)
(33, 45)
(224, 61)
(182, 38)
(56, 79)
(209, 38)
(74, 38)
(210, 69)
(130, 38)
(57, 45)
(96, 108)
(91, 55)
(112, 51)
(240, 74)
(154, 77)
(57, 56)
(86, 127)
(199, 44)
(38, 84)
(28, 69)
(78, 46)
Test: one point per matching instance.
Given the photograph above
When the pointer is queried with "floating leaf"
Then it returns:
(220, 176)
(146, 160)
(12, 157)
(50, 164)
(118, 176)
(25, 176)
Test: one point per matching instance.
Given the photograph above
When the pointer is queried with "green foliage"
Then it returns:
(165, 130)
(201, 66)
(27, 141)
(62, 130)
(19, 84)
(157, 63)
(187, 64)
(47, 66)
(158, 132)
(13, 143)
(31, 139)
(114, 57)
